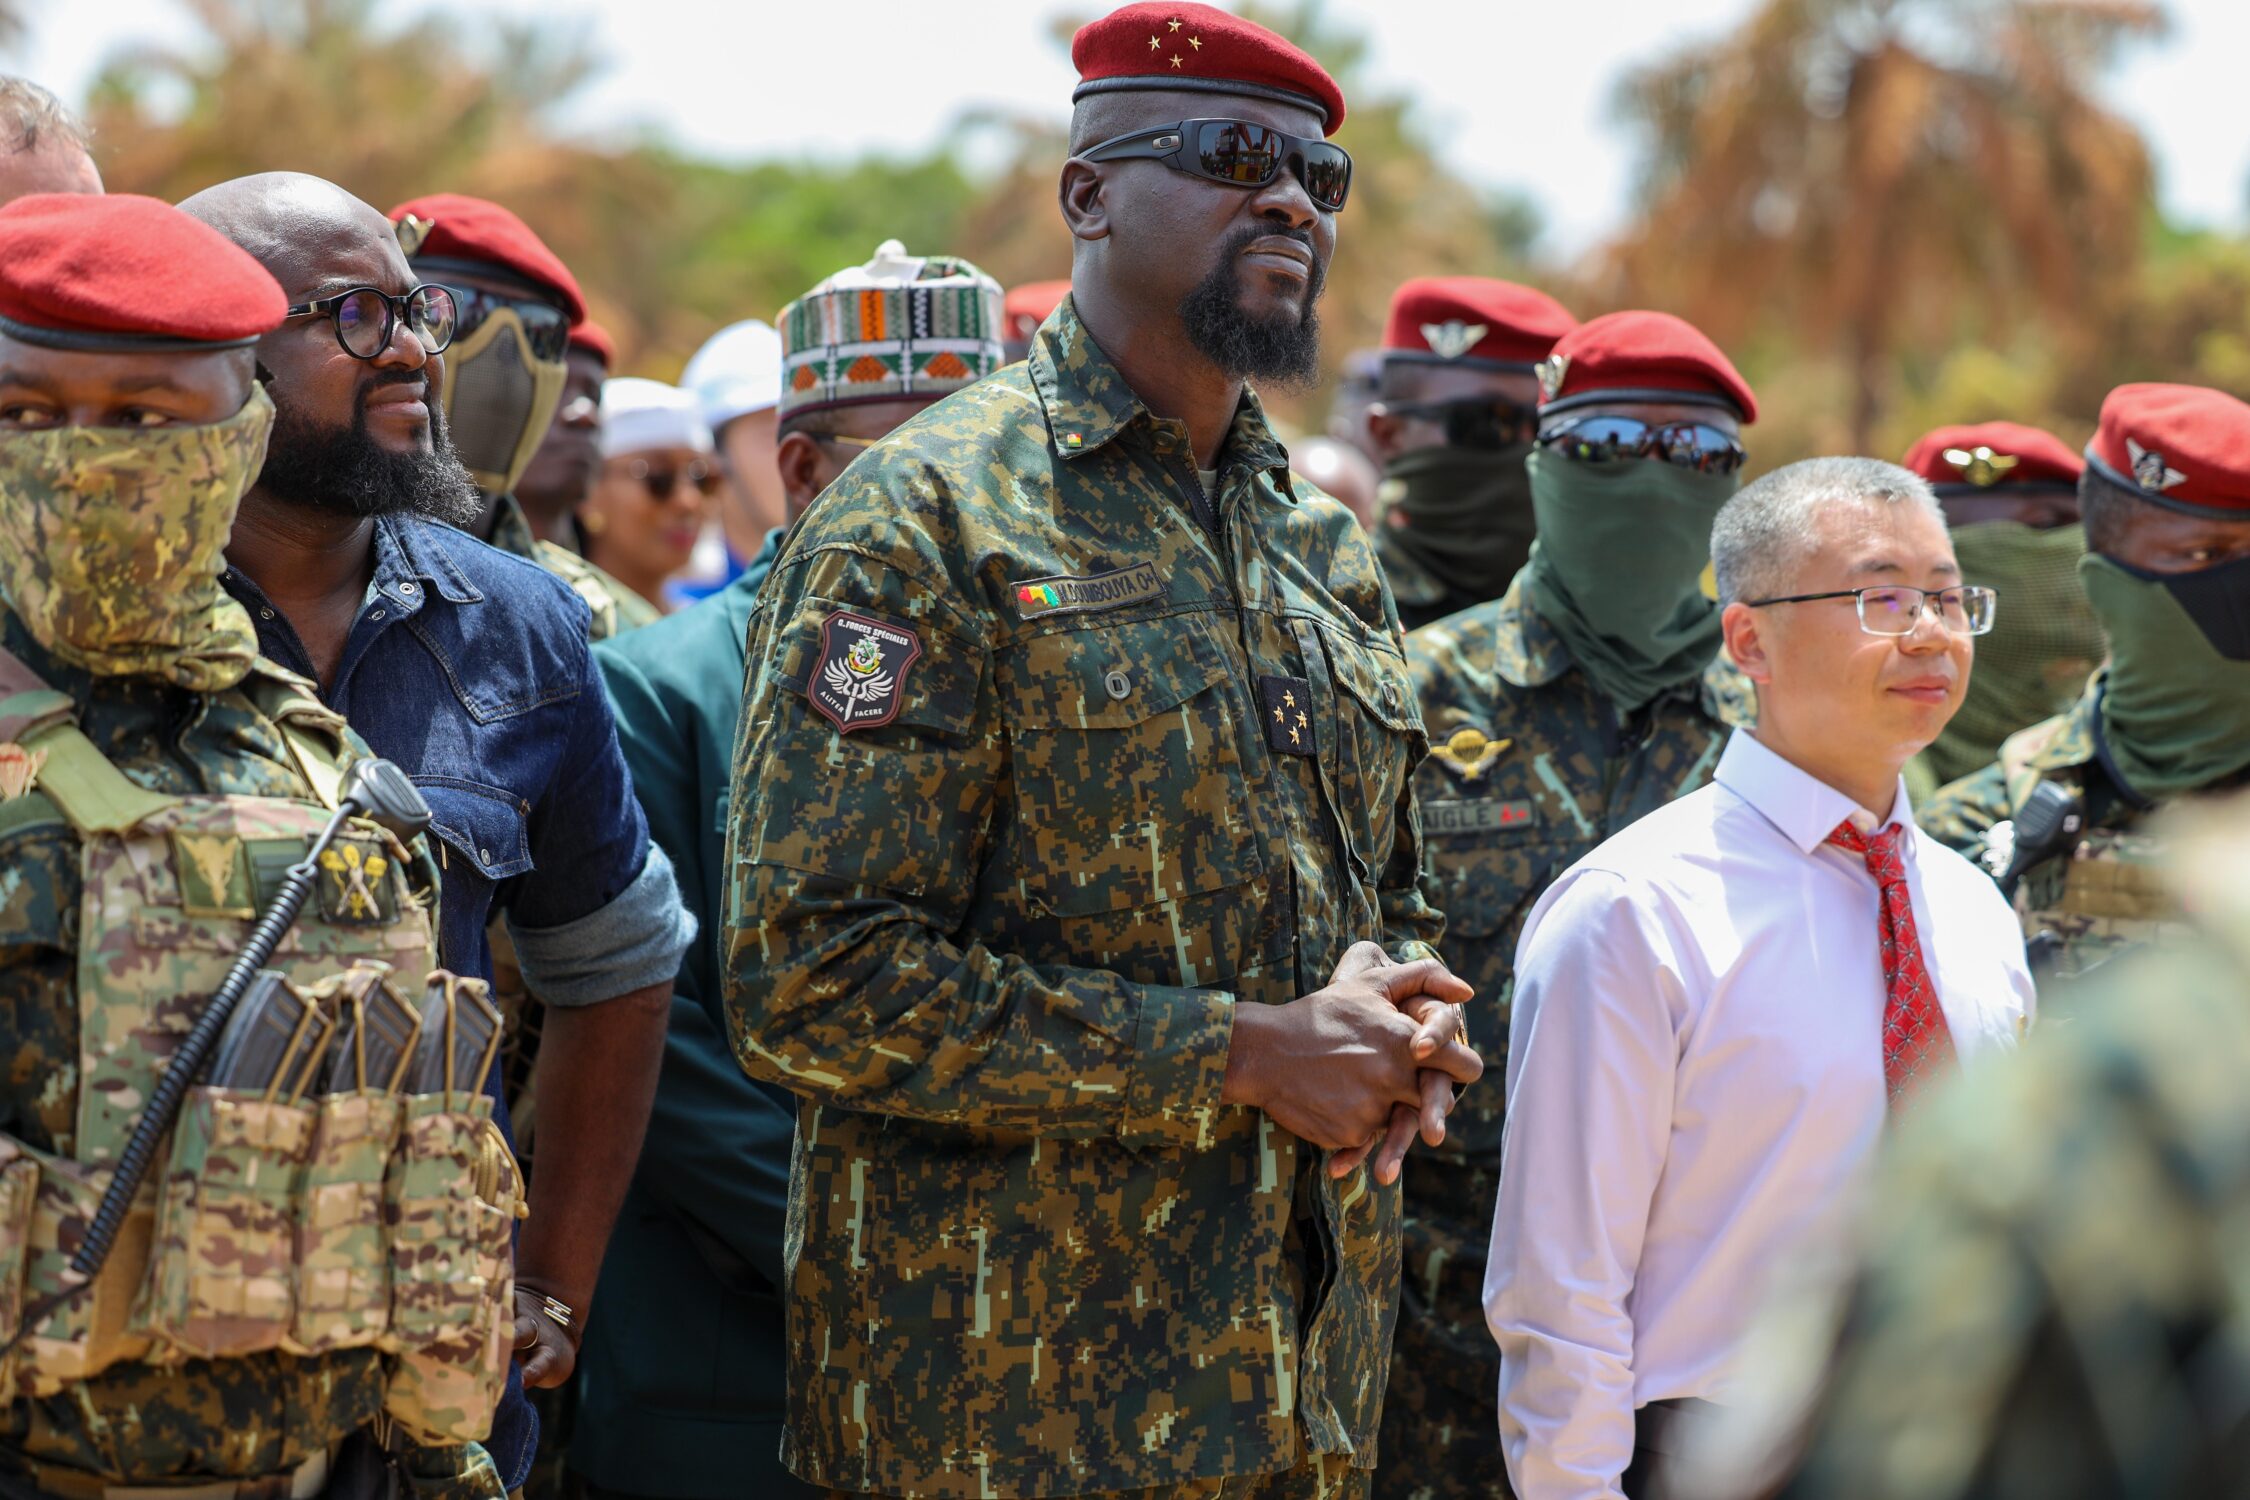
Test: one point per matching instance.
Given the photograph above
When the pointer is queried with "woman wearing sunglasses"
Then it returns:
(658, 481)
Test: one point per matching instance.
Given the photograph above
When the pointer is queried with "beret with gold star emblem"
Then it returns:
(1971, 457)
(1474, 321)
(2185, 447)
(1202, 49)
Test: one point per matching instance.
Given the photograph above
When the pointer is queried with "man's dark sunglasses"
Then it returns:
(545, 326)
(365, 317)
(1483, 422)
(1239, 153)
(1687, 445)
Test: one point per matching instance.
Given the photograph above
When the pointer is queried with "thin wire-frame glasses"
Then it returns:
(1894, 609)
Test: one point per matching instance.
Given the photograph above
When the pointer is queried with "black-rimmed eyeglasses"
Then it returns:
(1239, 153)
(366, 317)
(1897, 610)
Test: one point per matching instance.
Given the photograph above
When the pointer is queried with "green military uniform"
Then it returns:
(1530, 768)
(616, 608)
(2101, 888)
(1421, 595)
(2050, 1301)
(1050, 759)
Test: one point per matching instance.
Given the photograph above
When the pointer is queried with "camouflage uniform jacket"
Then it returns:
(1530, 768)
(2049, 1301)
(1422, 598)
(616, 608)
(2097, 893)
(1150, 760)
(252, 1416)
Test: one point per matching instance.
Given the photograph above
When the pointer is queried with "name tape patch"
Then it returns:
(1064, 594)
(1485, 815)
(860, 679)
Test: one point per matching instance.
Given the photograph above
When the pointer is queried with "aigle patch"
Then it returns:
(860, 679)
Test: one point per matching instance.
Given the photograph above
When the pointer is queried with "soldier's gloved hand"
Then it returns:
(1329, 1067)
(546, 1346)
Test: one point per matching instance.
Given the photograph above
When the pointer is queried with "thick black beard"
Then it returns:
(1281, 350)
(344, 471)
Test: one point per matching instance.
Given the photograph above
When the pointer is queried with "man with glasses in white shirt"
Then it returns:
(1719, 1009)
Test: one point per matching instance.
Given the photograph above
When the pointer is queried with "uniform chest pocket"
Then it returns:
(1377, 742)
(1125, 745)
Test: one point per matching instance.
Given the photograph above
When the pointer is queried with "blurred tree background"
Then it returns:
(1891, 212)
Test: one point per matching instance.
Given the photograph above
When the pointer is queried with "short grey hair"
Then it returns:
(1771, 524)
(31, 117)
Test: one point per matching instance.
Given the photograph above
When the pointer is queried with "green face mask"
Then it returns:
(112, 541)
(2044, 640)
(2175, 713)
(1466, 513)
(1618, 566)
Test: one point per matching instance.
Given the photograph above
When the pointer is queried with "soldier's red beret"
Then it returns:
(595, 340)
(456, 227)
(2182, 446)
(125, 273)
(1474, 321)
(1201, 49)
(1027, 306)
(1641, 356)
(1980, 455)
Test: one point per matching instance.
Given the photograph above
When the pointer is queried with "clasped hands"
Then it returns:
(1361, 1065)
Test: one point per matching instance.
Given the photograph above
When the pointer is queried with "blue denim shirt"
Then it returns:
(471, 670)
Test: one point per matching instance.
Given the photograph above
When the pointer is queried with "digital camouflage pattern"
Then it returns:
(1318, 1476)
(995, 944)
(1530, 768)
(112, 540)
(2049, 1301)
(2106, 892)
(80, 1052)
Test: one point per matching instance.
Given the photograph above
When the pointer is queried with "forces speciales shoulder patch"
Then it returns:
(859, 680)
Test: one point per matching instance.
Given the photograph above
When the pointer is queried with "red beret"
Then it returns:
(595, 340)
(1475, 321)
(1200, 48)
(2181, 446)
(1983, 454)
(1641, 356)
(1027, 306)
(456, 227)
(81, 271)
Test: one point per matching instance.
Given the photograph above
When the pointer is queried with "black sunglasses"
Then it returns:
(660, 479)
(1483, 422)
(1687, 445)
(545, 326)
(366, 317)
(1239, 153)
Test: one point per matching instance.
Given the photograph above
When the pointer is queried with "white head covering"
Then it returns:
(736, 372)
(638, 415)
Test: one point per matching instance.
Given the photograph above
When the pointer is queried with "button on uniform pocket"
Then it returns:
(1378, 738)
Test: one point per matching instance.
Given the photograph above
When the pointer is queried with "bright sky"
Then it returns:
(1517, 93)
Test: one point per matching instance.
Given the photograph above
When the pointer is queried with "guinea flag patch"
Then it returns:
(860, 679)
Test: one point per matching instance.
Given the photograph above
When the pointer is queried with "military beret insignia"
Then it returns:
(859, 680)
(1453, 338)
(413, 229)
(1981, 466)
(1552, 370)
(2150, 470)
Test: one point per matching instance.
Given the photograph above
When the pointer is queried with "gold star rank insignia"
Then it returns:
(1292, 732)
(1173, 24)
(1154, 44)
(1175, 59)
(1196, 42)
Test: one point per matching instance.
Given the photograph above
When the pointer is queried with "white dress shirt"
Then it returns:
(1695, 1080)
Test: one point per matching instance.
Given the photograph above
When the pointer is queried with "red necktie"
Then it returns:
(1916, 1044)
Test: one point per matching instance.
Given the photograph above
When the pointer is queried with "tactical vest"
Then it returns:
(2108, 892)
(330, 1222)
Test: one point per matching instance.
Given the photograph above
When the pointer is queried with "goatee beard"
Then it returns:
(1279, 349)
(344, 471)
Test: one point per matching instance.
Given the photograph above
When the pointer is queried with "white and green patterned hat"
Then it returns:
(900, 326)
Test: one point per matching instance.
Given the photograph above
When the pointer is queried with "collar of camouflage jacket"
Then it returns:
(1530, 653)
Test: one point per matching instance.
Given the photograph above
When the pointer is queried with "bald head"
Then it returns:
(308, 232)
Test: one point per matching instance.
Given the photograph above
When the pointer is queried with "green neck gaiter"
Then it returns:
(1463, 514)
(1618, 566)
(2044, 642)
(2175, 713)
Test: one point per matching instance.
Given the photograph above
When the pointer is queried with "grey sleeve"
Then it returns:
(633, 942)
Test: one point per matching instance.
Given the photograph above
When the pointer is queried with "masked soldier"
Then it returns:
(1072, 859)
(1456, 408)
(2062, 816)
(309, 1259)
(2011, 501)
(1588, 696)
(507, 374)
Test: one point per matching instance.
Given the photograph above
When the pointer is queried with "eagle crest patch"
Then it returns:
(860, 679)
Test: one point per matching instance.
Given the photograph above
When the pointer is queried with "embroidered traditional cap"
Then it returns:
(595, 340)
(638, 415)
(1201, 49)
(736, 372)
(453, 228)
(1641, 356)
(1474, 321)
(130, 274)
(1981, 455)
(1027, 307)
(901, 325)
(2182, 446)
